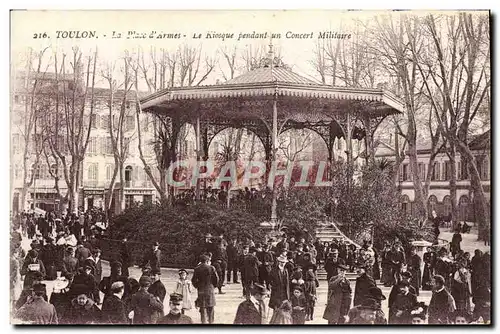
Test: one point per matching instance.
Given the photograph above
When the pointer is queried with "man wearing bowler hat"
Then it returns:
(363, 285)
(205, 280)
(339, 297)
(153, 257)
(175, 316)
(253, 311)
(364, 314)
(280, 283)
(36, 310)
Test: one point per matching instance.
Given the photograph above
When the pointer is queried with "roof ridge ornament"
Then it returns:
(270, 60)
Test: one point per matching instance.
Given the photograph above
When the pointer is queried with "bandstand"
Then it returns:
(268, 101)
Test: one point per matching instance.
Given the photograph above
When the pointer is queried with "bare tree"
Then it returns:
(74, 109)
(457, 84)
(117, 126)
(37, 100)
(294, 144)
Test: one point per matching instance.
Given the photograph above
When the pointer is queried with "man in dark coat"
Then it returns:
(125, 257)
(85, 277)
(82, 253)
(48, 256)
(339, 297)
(266, 260)
(95, 262)
(363, 285)
(406, 277)
(175, 316)
(83, 310)
(283, 244)
(250, 273)
(36, 310)
(455, 242)
(442, 305)
(145, 306)
(113, 307)
(205, 280)
(219, 260)
(115, 276)
(31, 266)
(232, 261)
(280, 284)
(152, 258)
(403, 304)
(157, 289)
(70, 263)
(331, 264)
(414, 263)
(253, 311)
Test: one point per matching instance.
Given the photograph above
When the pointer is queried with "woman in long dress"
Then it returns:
(429, 260)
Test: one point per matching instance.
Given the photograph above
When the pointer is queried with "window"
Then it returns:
(339, 144)
(92, 147)
(485, 171)
(105, 122)
(128, 104)
(435, 171)
(70, 86)
(145, 123)
(405, 173)
(94, 120)
(129, 123)
(93, 171)
(421, 170)
(109, 171)
(16, 98)
(36, 170)
(53, 169)
(448, 170)
(128, 176)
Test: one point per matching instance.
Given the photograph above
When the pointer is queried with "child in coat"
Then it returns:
(184, 287)
(310, 286)
(299, 305)
(296, 278)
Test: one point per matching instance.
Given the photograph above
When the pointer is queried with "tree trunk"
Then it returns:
(480, 204)
(420, 200)
(453, 184)
(121, 199)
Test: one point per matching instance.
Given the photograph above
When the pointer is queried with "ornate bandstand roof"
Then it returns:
(272, 79)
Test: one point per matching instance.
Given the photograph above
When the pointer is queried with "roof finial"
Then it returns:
(271, 52)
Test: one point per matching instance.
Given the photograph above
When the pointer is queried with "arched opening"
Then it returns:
(447, 207)
(432, 205)
(128, 176)
(405, 204)
(463, 205)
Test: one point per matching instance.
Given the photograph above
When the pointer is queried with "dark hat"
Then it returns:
(33, 253)
(116, 264)
(39, 287)
(175, 298)
(156, 243)
(370, 304)
(258, 245)
(252, 249)
(406, 274)
(183, 271)
(439, 279)
(270, 240)
(155, 272)
(79, 289)
(208, 235)
(145, 281)
(403, 283)
(204, 258)
(49, 239)
(298, 288)
(259, 289)
(88, 266)
(375, 293)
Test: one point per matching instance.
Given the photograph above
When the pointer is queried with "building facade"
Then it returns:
(439, 199)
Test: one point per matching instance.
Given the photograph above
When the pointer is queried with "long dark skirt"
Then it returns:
(415, 280)
(426, 278)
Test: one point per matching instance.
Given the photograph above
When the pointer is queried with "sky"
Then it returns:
(296, 52)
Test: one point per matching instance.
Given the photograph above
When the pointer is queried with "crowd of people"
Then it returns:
(278, 277)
